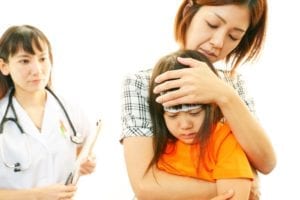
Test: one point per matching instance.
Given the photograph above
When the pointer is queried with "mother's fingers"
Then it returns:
(176, 97)
(191, 62)
(176, 74)
(169, 75)
(167, 85)
(169, 96)
(173, 101)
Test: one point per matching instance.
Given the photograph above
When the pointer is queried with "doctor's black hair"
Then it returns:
(20, 37)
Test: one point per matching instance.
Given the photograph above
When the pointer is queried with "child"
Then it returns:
(192, 140)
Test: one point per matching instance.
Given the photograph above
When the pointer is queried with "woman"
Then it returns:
(222, 30)
(38, 140)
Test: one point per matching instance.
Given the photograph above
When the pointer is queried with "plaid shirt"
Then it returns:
(136, 120)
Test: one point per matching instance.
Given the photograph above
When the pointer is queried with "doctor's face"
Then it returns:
(185, 125)
(217, 30)
(29, 72)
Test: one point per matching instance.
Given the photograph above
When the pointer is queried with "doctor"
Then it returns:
(39, 137)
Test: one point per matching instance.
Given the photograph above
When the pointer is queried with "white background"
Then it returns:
(96, 42)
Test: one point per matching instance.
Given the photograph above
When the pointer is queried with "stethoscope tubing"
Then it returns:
(5, 118)
(17, 166)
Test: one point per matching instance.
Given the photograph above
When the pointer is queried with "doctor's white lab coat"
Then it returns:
(48, 154)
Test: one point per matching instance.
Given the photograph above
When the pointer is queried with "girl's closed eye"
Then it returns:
(170, 114)
(196, 112)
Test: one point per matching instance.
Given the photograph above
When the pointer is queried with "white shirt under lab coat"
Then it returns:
(50, 155)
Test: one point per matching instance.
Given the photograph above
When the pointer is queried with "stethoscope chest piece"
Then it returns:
(5, 157)
(76, 139)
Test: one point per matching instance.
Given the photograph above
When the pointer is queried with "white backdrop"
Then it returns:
(96, 42)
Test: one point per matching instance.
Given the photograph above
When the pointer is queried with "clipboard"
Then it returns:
(86, 150)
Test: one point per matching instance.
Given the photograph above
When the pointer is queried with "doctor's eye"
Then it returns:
(24, 61)
(43, 59)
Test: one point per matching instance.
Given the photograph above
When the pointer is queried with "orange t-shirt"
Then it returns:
(223, 158)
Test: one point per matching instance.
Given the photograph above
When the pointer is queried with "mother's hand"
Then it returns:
(197, 84)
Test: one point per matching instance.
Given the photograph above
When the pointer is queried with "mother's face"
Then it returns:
(216, 30)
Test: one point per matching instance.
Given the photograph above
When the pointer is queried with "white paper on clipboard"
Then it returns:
(86, 150)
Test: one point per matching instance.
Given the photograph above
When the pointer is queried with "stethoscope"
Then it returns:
(17, 166)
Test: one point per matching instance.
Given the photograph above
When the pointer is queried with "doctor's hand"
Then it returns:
(56, 192)
(88, 165)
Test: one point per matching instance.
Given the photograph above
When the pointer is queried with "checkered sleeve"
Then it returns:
(135, 117)
(238, 83)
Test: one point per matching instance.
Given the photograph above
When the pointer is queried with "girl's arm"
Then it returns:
(52, 192)
(241, 188)
(157, 184)
(199, 84)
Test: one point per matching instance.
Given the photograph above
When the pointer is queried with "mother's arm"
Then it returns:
(157, 184)
(247, 131)
(199, 84)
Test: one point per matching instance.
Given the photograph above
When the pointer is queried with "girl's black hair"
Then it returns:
(161, 134)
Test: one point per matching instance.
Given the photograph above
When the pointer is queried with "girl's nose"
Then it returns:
(185, 123)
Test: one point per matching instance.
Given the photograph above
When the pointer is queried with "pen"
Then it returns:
(69, 179)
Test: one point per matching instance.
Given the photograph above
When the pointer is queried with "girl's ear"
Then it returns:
(4, 67)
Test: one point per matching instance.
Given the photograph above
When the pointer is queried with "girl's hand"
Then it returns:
(255, 188)
(56, 192)
(88, 165)
(197, 84)
(228, 195)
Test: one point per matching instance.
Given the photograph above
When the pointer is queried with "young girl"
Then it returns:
(40, 135)
(191, 141)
